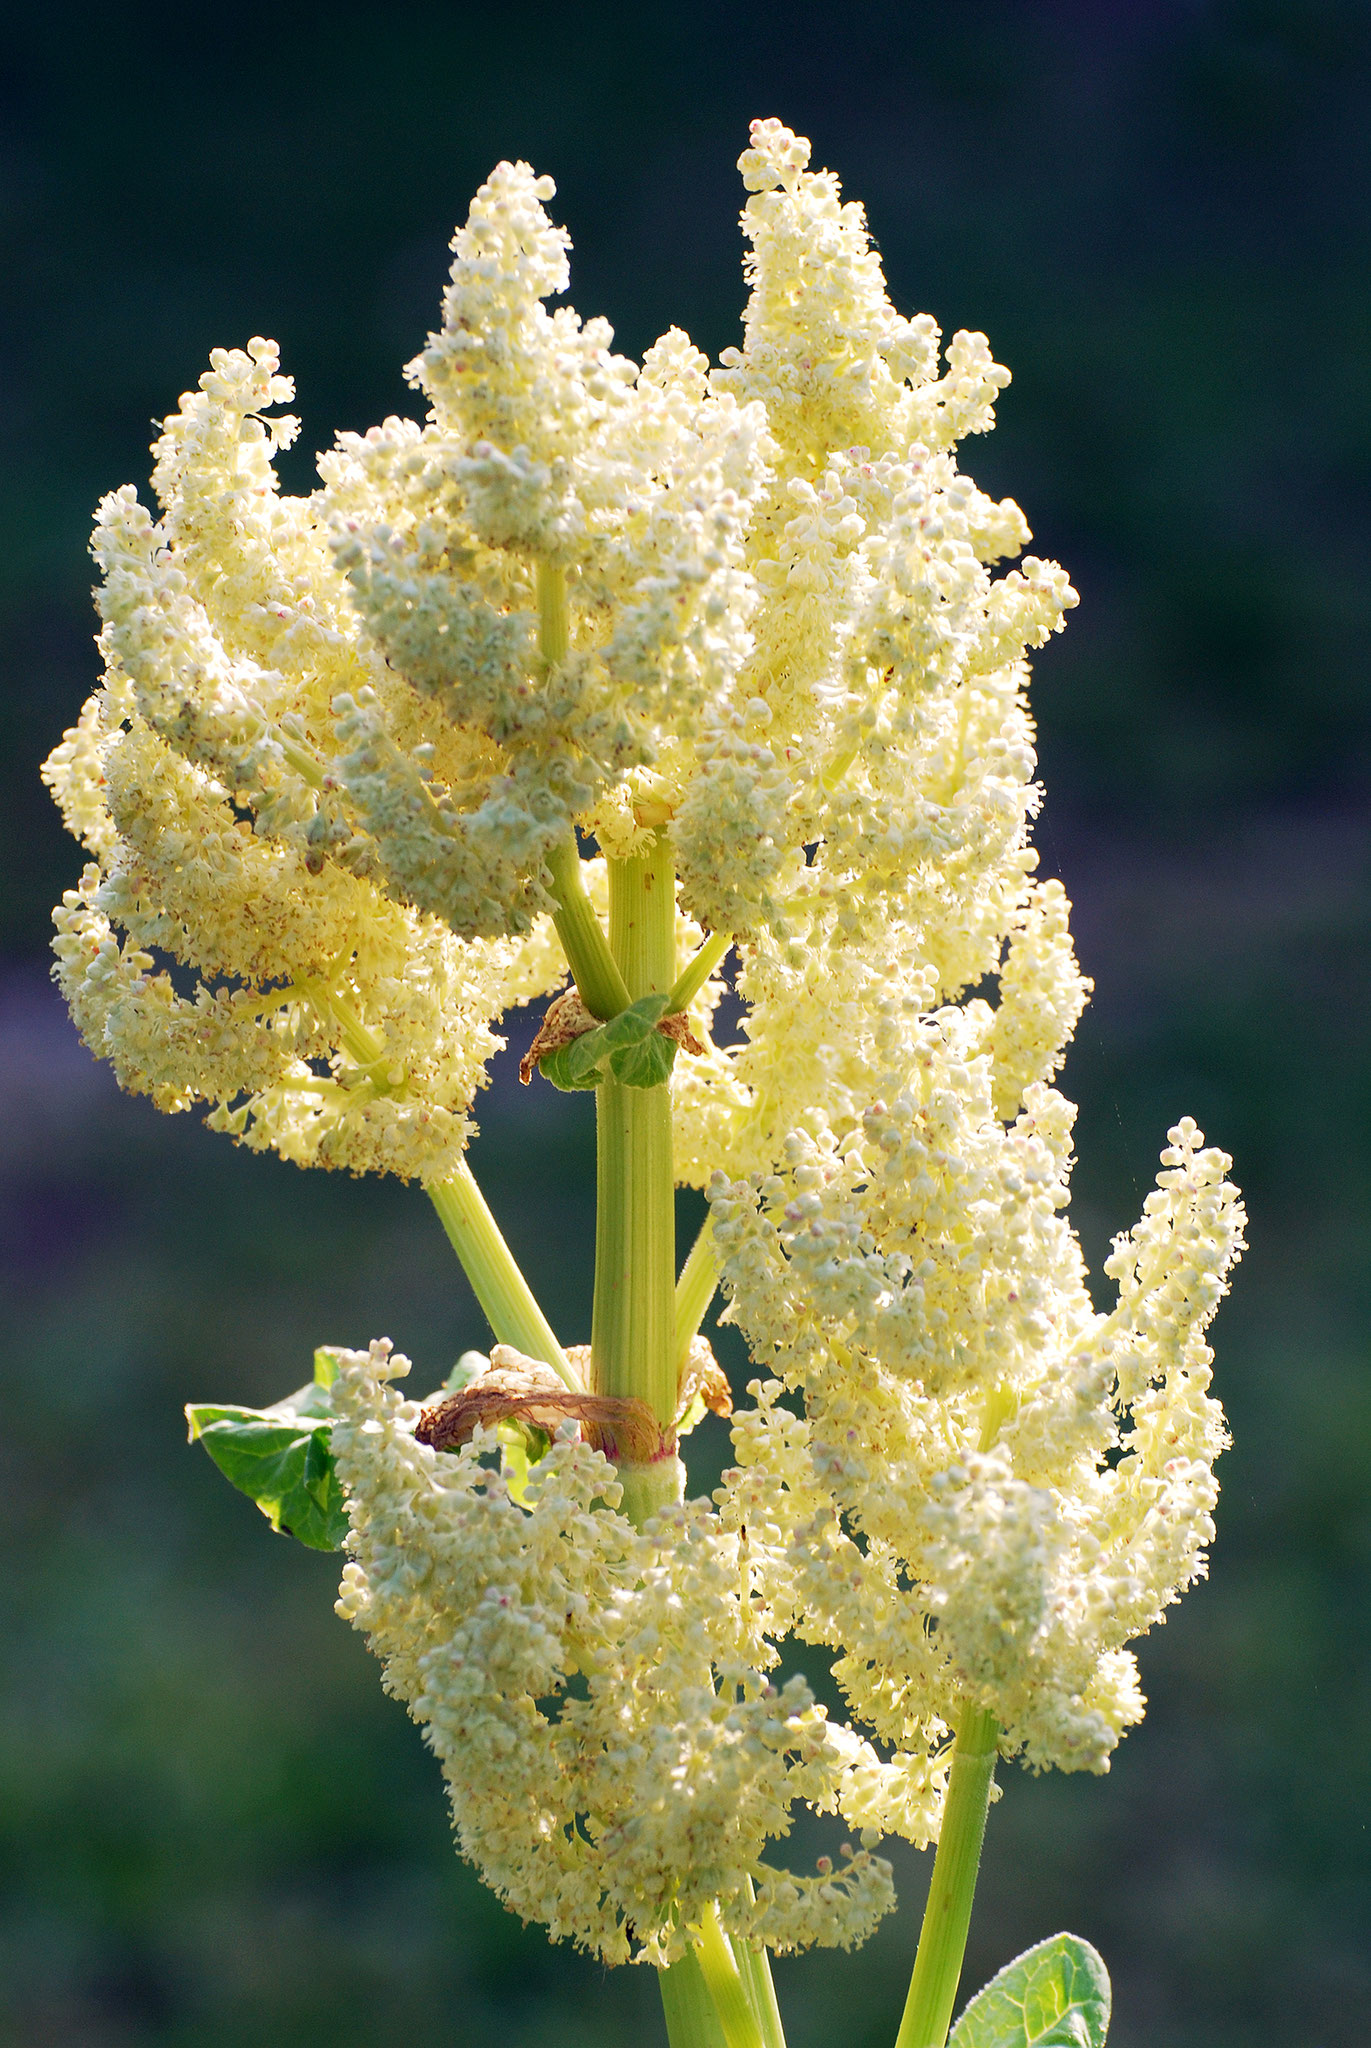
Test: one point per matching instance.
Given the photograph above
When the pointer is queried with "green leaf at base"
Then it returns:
(281, 1457)
(1055, 1995)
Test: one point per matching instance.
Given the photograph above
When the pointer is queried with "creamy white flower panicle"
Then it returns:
(555, 559)
(752, 611)
(993, 1488)
(317, 1015)
(615, 1754)
(860, 810)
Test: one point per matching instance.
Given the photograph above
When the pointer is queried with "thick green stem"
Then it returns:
(942, 1939)
(602, 987)
(642, 920)
(633, 1349)
(633, 1332)
(695, 1290)
(642, 1327)
(497, 1283)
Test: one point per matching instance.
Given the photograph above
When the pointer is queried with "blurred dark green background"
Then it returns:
(215, 1829)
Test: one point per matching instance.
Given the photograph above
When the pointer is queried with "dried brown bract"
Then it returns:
(517, 1388)
(566, 1018)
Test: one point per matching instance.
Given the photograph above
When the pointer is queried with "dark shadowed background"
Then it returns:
(215, 1830)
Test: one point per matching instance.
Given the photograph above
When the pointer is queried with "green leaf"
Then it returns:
(629, 1049)
(1055, 1995)
(645, 1065)
(632, 1025)
(573, 1066)
(281, 1457)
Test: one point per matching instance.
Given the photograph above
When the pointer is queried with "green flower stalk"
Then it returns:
(737, 626)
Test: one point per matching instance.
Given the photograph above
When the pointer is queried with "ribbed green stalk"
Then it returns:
(505, 1296)
(633, 1349)
(942, 1939)
(719, 1995)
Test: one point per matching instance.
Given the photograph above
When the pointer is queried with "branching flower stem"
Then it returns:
(506, 1299)
(754, 1967)
(942, 1939)
(602, 987)
(597, 975)
(558, 608)
(695, 1290)
(719, 1995)
(696, 973)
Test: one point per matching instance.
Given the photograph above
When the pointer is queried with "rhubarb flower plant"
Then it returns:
(634, 686)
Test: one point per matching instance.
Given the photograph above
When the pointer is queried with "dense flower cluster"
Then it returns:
(598, 1695)
(321, 1016)
(750, 610)
(994, 1488)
